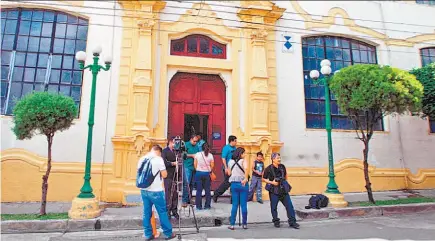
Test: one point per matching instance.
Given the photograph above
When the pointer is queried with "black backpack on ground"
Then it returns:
(317, 201)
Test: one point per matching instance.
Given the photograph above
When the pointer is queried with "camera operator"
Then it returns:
(189, 170)
(275, 176)
(171, 196)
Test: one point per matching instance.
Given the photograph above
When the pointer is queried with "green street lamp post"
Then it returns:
(95, 68)
(326, 70)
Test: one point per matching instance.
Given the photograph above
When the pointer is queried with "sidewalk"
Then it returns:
(131, 217)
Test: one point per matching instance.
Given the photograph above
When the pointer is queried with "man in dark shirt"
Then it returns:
(171, 195)
(273, 176)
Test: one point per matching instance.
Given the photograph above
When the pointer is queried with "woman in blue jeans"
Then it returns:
(204, 164)
(239, 186)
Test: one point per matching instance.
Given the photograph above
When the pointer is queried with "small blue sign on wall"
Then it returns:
(216, 136)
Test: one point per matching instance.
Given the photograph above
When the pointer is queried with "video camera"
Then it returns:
(179, 144)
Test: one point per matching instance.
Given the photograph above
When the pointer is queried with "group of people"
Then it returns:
(198, 165)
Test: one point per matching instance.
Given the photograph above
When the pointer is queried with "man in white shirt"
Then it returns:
(154, 195)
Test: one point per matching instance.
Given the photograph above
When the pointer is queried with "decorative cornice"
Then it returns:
(260, 12)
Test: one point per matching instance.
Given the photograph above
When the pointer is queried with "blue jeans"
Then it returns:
(187, 184)
(158, 200)
(203, 182)
(256, 186)
(239, 195)
(287, 202)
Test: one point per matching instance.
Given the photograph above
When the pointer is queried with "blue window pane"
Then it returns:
(61, 18)
(338, 65)
(53, 88)
(312, 121)
(334, 108)
(337, 54)
(362, 47)
(345, 64)
(426, 61)
(77, 78)
(335, 123)
(20, 59)
(345, 43)
(76, 93)
(329, 41)
(3, 23)
(329, 53)
(313, 64)
(13, 14)
(24, 28)
(321, 90)
(39, 87)
(55, 76)
(372, 57)
(364, 57)
(311, 51)
(11, 26)
(47, 29)
(306, 64)
(4, 72)
(356, 56)
(42, 60)
(69, 46)
(37, 15)
(304, 50)
(40, 75)
(346, 55)
(319, 41)
(66, 77)
(60, 30)
(26, 15)
(48, 16)
(27, 89)
(355, 45)
(80, 45)
(65, 90)
(321, 107)
(56, 61)
(31, 60)
(71, 31)
(36, 28)
(4, 89)
(68, 62)
(82, 33)
(311, 41)
(58, 45)
(8, 42)
(5, 57)
(314, 92)
(33, 44)
(76, 64)
(18, 74)
(320, 52)
(22, 43)
(29, 74)
(83, 22)
(45, 45)
(72, 19)
(307, 91)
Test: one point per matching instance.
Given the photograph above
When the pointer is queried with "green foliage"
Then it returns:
(426, 75)
(43, 113)
(377, 90)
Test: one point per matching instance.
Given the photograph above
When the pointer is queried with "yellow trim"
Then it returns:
(329, 20)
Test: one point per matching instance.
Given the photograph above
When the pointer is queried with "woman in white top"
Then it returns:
(203, 163)
(239, 186)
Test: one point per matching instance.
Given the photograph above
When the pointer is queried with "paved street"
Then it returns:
(403, 227)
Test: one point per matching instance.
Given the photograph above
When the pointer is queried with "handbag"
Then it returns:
(212, 175)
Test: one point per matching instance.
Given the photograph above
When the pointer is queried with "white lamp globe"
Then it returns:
(97, 50)
(314, 74)
(325, 62)
(326, 70)
(108, 59)
(81, 56)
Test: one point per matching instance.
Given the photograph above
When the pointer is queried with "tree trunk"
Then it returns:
(366, 172)
(45, 179)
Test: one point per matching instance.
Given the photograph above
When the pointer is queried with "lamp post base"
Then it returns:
(84, 208)
(336, 200)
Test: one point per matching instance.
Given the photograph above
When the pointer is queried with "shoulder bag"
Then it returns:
(212, 175)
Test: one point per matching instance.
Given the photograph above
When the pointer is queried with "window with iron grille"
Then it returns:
(38, 48)
(342, 52)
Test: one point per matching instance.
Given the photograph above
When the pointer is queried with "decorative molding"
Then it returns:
(328, 21)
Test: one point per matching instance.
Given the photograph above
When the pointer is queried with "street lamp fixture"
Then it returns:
(86, 190)
(332, 187)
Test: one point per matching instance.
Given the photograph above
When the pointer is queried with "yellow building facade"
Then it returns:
(146, 68)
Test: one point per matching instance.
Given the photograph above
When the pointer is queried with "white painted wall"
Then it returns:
(406, 141)
(70, 145)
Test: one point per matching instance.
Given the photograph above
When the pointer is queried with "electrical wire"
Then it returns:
(251, 28)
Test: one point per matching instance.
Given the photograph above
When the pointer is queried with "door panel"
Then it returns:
(203, 95)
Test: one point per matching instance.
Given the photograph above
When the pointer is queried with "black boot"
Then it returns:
(293, 224)
(276, 224)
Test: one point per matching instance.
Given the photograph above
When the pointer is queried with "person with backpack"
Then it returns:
(150, 174)
(239, 186)
(275, 177)
(204, 163)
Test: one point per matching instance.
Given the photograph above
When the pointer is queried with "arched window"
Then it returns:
(427, 2)
(427, 57)
(198, 46)
(342, 52)
(38, 48)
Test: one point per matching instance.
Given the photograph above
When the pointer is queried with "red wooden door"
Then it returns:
(199, 94)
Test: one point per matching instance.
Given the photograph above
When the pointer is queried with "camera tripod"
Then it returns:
(176, 186)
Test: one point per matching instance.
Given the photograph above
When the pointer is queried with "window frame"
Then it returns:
(198, 53)
(426, 2)
(76, 32)
(321, 115)
(430, 122)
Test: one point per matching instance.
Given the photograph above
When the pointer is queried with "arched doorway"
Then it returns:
(197, 103)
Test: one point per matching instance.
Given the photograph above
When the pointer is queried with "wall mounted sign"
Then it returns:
(216, 136)
(287, 44)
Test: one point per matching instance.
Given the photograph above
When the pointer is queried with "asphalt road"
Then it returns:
(405, 227)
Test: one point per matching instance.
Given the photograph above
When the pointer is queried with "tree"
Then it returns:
(43, 113)
(367, 93)
(426, 75)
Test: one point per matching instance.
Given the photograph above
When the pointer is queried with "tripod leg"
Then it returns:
(194, 218)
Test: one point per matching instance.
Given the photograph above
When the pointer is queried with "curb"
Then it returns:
(375, 211)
